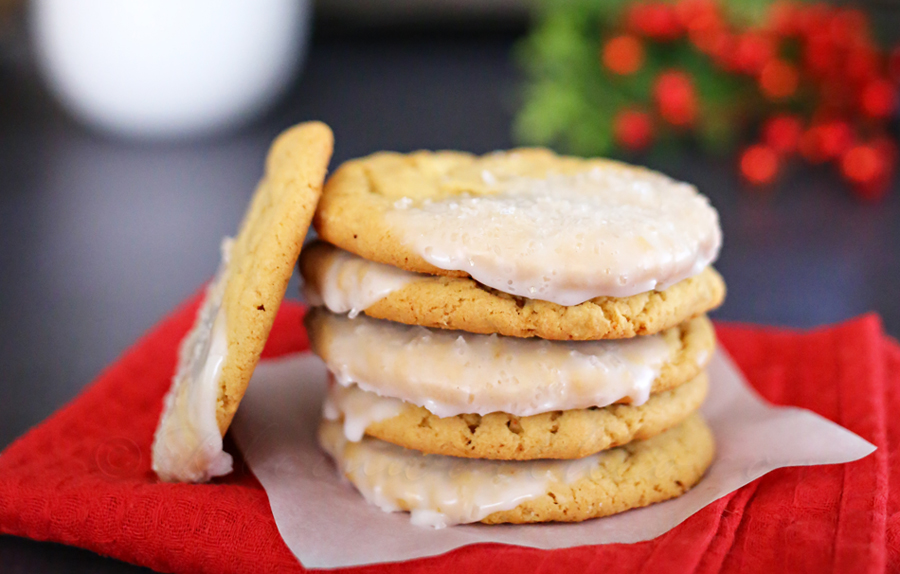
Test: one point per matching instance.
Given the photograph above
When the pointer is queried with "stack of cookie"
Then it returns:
(518, 337)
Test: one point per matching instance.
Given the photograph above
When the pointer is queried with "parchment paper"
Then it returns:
(327, 524)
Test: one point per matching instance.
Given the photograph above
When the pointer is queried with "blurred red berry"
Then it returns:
(811, 146)
(722, 49)
(778, 80)
(752, 52)
(704, 23)
(675, 98)
(835, 96)
(878, 99)
(690, 12)
(633, 129)
(862, 164)
(782, 133)
(861, 64)
(711, 40)
(820, 56)
(812, 18)
(868, 169)
(715, 42)
(826, 141)
(623, 54)
(656, 20)
(848, 26)
(837, 137)
(782, 18)
(759, 164)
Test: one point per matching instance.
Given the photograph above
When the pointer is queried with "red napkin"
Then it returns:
(83, 477)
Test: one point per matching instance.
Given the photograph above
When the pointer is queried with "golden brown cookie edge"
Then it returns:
(267, 246)
(555, 435)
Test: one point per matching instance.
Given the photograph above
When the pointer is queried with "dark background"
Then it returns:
(101, 238)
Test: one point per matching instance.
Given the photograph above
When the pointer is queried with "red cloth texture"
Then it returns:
(83, 476)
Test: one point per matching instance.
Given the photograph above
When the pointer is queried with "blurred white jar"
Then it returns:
(169, 68)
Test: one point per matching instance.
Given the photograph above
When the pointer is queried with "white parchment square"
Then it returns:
(318, 514)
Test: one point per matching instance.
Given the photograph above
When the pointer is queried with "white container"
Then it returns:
(168, 68)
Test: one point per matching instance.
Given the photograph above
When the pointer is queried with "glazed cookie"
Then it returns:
(452, 372)
(501, 436)
(524, 222)
(440, 490)
(345, 282)
(218, 355)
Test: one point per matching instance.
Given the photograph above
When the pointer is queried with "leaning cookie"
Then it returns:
(500, 436)
(441, 490)
(344, 282)
(218, 356)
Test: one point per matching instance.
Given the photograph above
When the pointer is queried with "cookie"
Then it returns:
(524, 222)
(346, 282)
(218, 355)
(501, 436)
(440, 491)
(451, 372)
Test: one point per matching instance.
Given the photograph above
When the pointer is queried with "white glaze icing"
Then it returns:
(351, 284)
(441, 491)
(358, 408)
(187, 445)
(452, 372)
(567, 238)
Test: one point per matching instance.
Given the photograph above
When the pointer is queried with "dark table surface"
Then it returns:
(101, 238)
